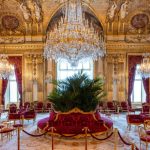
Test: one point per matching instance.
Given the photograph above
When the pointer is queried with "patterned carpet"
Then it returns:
(44, 143)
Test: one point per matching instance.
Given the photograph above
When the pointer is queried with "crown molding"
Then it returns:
(127, 47)
(36, 47)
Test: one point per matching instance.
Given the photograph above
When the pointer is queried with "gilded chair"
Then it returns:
(144, 137)
(134, 119)
(147, 126)
(39, 107)
(14, 114)
(110, 107)
(27, 105)
(12, 108)
(145, 108)
(125, 107)
(47, 107)
(102, 107)
(29, 115)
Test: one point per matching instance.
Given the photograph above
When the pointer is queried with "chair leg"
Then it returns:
(129, 127)
(146, 145)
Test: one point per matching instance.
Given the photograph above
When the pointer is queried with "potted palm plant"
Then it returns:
(77, 91)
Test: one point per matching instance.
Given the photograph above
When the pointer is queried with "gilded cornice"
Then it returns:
(22, 48)
(127, 47)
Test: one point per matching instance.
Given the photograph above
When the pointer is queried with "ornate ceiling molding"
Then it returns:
(23, 48)
(127, 47)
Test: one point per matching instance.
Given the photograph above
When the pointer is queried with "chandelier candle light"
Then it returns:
(144, 69)
(6, 69)
(74, 38)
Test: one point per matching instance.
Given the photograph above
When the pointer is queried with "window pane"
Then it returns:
(86, 65)
(79, 66)
(137, 75)
(137, 91)
(12, 76)
(64, 69)
(13, 91)
(143, 94)
(63, 65)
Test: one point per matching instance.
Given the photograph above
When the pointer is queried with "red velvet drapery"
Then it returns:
(4, 86)
(146, 88)
(132, 62)
(17, 62)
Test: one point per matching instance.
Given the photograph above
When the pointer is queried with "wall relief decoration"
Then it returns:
(10, 22)
(10, 29)
(139, 29)
(139, 21)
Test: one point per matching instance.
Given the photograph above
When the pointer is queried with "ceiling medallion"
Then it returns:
(10, 22)
(139, 21)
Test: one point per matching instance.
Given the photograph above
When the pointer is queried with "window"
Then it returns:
(138, 93)
(12, 94)
(64, 69)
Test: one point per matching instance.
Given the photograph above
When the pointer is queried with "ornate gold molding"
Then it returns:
(127, 47)
(23, 48)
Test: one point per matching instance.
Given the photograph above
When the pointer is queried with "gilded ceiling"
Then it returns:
(121, 20)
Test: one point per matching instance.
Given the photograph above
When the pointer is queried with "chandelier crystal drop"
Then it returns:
(74, 38)
(144, 69)
(6, 69)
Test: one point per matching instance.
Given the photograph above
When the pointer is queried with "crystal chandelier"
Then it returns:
(74, 38)
(6, 69)
(144, 69)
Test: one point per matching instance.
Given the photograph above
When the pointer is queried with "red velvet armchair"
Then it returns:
(27, 105)
(125, 107)
(14, 117)
(39, 107)
(145, 108)
(101, 107)
(111, 107)
(29, 115)
(47, 107)
(14, 114)
(134, 119)
(144, 137)
(13, 108)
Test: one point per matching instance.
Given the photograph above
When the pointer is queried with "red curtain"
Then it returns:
(4, 86)
(146, 87)
(132, 62)
(17, 62)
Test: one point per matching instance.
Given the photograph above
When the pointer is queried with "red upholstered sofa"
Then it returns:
(74, 122)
